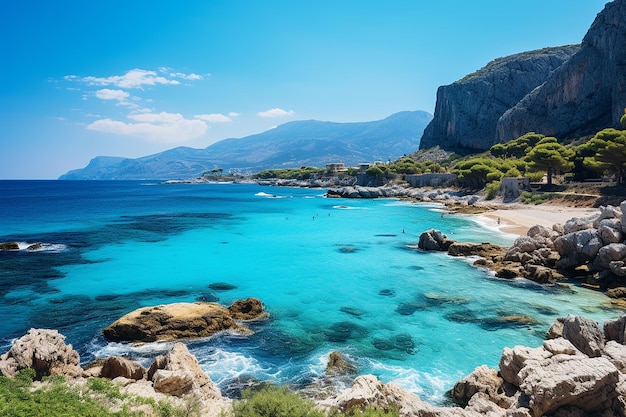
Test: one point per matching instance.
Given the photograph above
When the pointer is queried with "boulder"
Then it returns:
(178, 373)
(586, 383)
(585, 334)
(616, 353)
(484, 250)
(488, 382)
(513, 360)
(248, 309)
(610, 231)
(117, 366)
(9, 246)
(44, 351)
(577, 248)
(615, 330)
(434, 240)
(181, 320)
(607, 254)
(556, 329)
(338, 365)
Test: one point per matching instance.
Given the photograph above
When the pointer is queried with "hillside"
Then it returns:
(294, 144)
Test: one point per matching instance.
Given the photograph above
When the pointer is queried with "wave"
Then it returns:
(41, 247)
(266, 195)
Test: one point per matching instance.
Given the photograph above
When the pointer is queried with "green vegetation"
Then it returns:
(608, 150)
(302, 173)
(406, 165)
(280, 402)
(536, 198)
(99, 398)
(550, 156)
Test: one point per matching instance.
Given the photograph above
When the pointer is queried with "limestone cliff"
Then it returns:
(584, 95)
(467, 111)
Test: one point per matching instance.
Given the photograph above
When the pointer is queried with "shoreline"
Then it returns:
(516, 219)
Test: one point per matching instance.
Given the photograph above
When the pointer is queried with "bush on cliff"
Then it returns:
(55, 398)
(281, 402)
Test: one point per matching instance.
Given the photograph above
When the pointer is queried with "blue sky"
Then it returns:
(131, 78)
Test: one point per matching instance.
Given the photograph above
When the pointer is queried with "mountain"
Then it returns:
(586, 94)
(293, 144)
(565, 92)
(467, 111)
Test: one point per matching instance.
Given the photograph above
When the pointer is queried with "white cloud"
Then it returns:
(233, 114)
(135, 78)
(276, 112)
(190, 77)
(214, 118)
(107, 94)
(158, 127)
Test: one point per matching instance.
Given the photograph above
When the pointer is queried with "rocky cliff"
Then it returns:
(584, 95)
(564, 92)
(467, 111)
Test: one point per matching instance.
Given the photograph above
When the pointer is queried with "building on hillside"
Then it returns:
(336, 167)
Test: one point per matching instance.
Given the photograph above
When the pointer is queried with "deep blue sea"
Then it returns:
(333, 274)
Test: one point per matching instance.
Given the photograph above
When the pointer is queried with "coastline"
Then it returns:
(516, 219)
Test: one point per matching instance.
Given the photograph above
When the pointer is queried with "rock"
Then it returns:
(560, 346)
(35, 246)
(488, 382)
(248, 309)
(43, 350)
(178, 321)
(178, 373)
(368, 391)
(338, 365)
(585, 334)
(117, 366)
(607, 254)
(586, 383)
(222, 286)
(585, 94)
(556, 330)
(484, 250)
(577, 248)
(616, 353)
(618, 292)
(610, 231)
(513, 360)
(576, 224)
(615, 330)
(467, 111)
(434, 240)
(608, 212)
(9, 246)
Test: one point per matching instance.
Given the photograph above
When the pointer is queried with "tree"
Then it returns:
(550, 156)
(610, 151)
(623, 120)
(516, 148)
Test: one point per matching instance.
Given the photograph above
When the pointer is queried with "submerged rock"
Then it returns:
(183, 321)
(222, 286)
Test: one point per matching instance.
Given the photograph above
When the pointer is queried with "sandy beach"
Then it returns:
(519, 218)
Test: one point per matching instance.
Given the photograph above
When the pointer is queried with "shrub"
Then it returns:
(274, 402)
(492, 189)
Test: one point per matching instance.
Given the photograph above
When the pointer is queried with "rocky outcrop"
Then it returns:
(434, 240)
(44, 351)
(178, 373)
(467, 111)
(117, 366)
(584, 95)
(338, 365)
(9, 246)
(183, 321)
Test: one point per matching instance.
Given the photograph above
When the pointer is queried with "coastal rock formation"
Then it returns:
(117, 366)
(434, 240)
(585, 94)
(44, 351)
(467, 111)
(9, 246)
(338, 365)
(183, 320)
(178, 373)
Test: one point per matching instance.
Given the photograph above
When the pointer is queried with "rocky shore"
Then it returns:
(580, 370)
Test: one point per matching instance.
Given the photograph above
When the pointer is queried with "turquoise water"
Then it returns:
(333, 274)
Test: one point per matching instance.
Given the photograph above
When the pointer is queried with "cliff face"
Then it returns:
(584, 95)
(467, 111)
